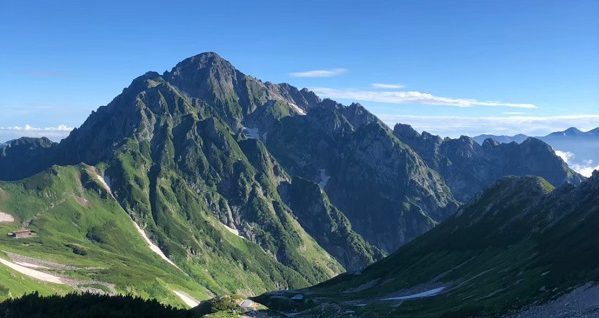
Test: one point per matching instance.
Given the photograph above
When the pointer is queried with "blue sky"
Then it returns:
(449, 67)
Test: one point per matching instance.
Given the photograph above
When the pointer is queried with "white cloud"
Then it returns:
(320, 73)
(386, 86)
(585, 168)
(31, 128)
(565, 155)
(410, 97)
(454, 126)
(54, 133)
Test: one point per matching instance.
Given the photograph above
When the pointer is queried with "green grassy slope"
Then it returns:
(517, 243)
(91, 242)
(183, 177)
(80, 227)
(192, 174)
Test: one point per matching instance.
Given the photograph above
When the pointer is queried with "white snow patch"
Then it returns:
(324, 178)
(248, 304)
(30, 265)
(428, 293)
(107, 182)
(6, 218)
(188, 300)
(153, 246)
(232, 230)
(252, 133)
(104, 182)
(32, 272)
(297, 109)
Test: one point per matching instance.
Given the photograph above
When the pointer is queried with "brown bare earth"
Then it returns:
(81, 200)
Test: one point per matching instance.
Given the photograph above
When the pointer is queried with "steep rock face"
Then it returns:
(382, 186)
(328, 225)
(176, 160)
(468, 167)
(519, 242)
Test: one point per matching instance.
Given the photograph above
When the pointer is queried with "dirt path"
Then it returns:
(188, 300)
(29, 265)
(36, 263)
(32, 272)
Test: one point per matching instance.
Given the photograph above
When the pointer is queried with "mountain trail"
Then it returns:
(30, 265)
(36, 263)
(32, 272)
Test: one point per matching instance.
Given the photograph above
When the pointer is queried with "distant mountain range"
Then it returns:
(468, 167)
(205, 181)
(579, 149)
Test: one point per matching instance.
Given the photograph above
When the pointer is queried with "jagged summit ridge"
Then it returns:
(468, 167)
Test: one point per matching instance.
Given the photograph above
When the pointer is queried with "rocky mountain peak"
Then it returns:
(405, 131)
(490, 142)
(207, 76)
(572, 131)
(594, 179)
(30, 142)
(536, 145)
(202, 61)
